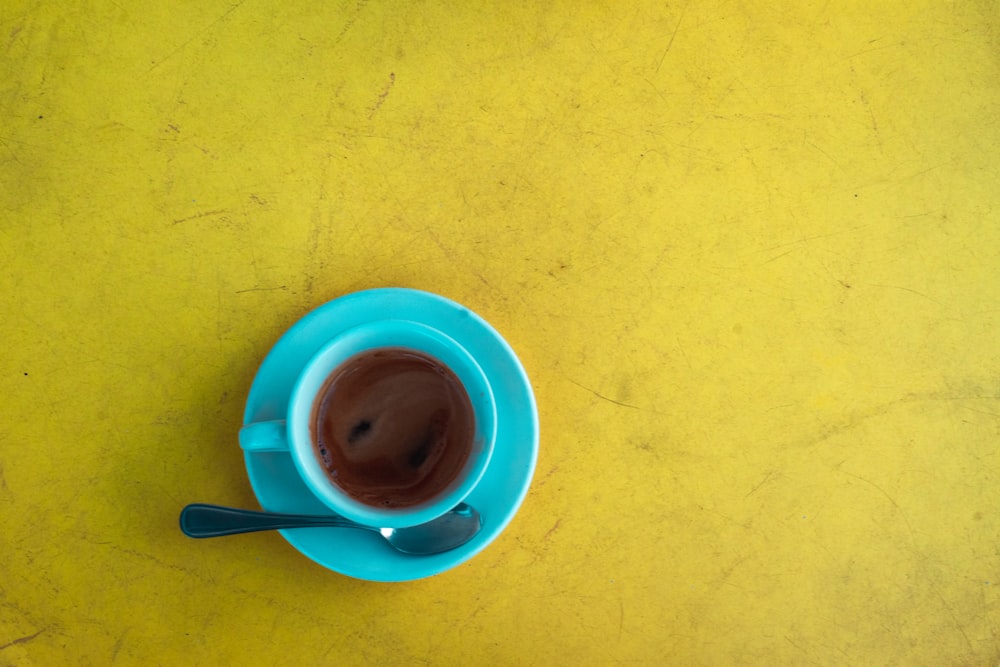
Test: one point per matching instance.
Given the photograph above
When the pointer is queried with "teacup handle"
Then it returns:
(270, 436)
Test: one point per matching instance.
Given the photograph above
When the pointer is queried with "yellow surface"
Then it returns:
(750, 257)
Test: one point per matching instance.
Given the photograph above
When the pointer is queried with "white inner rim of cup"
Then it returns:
(394, 334)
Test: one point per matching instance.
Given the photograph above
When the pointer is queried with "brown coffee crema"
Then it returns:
(393, 427)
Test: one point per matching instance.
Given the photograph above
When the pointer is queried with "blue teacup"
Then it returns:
(294, 434)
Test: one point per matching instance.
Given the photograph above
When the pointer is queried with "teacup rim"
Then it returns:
(301, 406)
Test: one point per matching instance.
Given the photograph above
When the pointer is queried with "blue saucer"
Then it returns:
(498, 495)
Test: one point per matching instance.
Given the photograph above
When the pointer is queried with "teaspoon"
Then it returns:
(448, 531)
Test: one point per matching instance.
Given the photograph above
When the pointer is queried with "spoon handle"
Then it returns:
(203, 520)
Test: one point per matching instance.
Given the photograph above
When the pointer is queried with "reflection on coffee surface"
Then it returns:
(393, 427)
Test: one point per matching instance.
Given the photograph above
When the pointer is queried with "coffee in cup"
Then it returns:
(393, 427)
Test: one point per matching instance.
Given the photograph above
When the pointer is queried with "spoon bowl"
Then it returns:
(449, 531)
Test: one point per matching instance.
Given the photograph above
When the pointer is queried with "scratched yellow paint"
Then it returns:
(749, 255)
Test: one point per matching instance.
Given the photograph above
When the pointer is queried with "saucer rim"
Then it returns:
(498, 512)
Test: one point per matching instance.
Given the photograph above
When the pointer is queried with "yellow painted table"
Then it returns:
(749, 256)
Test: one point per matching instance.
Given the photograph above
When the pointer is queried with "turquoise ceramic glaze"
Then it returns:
(500, 491)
